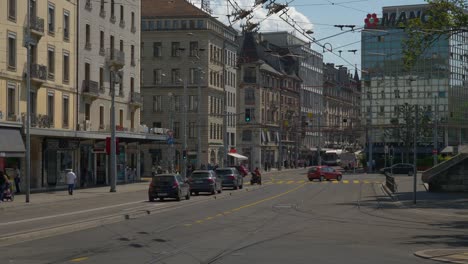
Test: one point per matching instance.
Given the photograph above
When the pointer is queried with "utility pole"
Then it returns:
(113, 163)
(199, 141)
(319, 148)
(171, 126)
(435, 150)
(369, 169)
(415, 153)
(28, 103)
(184, 162)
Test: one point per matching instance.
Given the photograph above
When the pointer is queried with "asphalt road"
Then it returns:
(287, 220)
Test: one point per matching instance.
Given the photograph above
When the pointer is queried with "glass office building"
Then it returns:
(438, 84)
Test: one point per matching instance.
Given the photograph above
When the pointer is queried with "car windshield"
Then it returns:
(200, 175)
(313, 169)
(224, 172)
(163, 180)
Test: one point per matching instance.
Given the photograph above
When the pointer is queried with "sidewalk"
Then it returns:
(451, 208)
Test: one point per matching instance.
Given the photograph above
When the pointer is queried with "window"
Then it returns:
(66, 25)
(175, 49)
(167, 24)
(11, 50)
(121, 85)
(193, 48)
(176, 103)
(11, 107)
(12, 9)
(382, 109)
(194, 76)
(175, 24)
(101, 78)
(88, 37)
(176, 129)
(410, 93)
(157, 103)
(112, 9)
(157, 124)
(101, 117)
(102, 6)
(175, 76)
(133, 22)
(397, 93)
(51, 18)
(141, 76)
(121, 45)
(66, 67)
(101, 41)
(142, 49)
(192, 103)
(157, 46)
(87, 111)
(184, 24)
(200, 24)
(121, 13)
(132, 55)
(87, 72)
(247, 135)
(50, 107)
(51, 62)
(121, 118)
(192, 129)
(33, 103)
(157, 76)
(132, 84)
(66, 111)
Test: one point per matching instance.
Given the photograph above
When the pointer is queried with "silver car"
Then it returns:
(205, 181)
(230, 177)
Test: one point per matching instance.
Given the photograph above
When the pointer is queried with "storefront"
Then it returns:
(59, 155)
(12, 150)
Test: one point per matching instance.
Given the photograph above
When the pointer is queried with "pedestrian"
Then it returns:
(17, 179)
(3, 184)
(71, 178)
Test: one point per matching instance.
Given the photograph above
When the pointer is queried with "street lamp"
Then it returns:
(115, 79)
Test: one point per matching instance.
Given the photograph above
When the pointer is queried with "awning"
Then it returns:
(11, 143)
(448, 149)
(238, 156)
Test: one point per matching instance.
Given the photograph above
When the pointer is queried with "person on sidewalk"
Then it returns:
(71, 179)
(3, 184)
(17, 179)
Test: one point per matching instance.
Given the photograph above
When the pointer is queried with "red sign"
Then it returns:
(371, 20)
(434, 151)
(108, 148)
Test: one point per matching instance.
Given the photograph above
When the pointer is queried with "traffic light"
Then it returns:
(184, 154)
(247, 115)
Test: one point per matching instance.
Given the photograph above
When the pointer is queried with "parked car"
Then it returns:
(323, 173)
(168, 186)
(230, 177)
(205, 181)
(399, 168)
(241, 169)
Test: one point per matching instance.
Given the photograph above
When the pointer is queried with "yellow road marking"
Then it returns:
(355, 181)
(79, 259)
(376, 182)
(335, 182)
(279, 182)
(366, 182)
(199, 221)
(219, 215)
(290, 182)
(187, 225)
(227, 212)
(209, 218)
(302, 181)
(346, 181)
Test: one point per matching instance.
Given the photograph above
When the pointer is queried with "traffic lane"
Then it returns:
(113, 237)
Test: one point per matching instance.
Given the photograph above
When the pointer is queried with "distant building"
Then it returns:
(342, 101)
(184, 45)
(437, 84)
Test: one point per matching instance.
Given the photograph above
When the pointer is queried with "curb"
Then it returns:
(388, 192)
(444, 257)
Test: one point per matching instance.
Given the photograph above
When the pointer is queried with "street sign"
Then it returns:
(170, 141)
(434, 151)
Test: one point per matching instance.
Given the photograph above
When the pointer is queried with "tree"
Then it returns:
(403, 125)
(445, 18)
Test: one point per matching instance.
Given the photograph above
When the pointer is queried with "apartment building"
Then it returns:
(53, 90)
(182, 46)
(109, 62)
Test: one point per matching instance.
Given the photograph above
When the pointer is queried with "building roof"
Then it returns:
(170, 9)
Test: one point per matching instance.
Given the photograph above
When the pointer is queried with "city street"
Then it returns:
(286, 220)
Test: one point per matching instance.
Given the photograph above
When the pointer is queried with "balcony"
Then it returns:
(122, 23)
(88, 46)
(136, 99)
(88, 5)
(41, 121)
(113, 19)
(38, 73)
(102, 51)
(90, 89)
(102, 13)
(132, 62)
(37, 26)
(133, 29)
(12, 117)
(115, 57)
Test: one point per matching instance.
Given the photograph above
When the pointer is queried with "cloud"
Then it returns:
(273, 23)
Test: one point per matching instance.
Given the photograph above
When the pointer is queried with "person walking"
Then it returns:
(17, 179)
(71, 179)
(3, 184)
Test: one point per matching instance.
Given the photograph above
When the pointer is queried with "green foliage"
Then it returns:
(445, 18)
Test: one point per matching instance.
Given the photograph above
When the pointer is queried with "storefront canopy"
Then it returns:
(238, 156)
(11, 143)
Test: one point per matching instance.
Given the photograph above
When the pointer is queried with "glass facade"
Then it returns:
(437, 84)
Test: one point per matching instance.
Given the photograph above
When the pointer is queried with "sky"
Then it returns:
(320, 16)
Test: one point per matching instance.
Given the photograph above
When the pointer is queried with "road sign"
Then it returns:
(170, 141)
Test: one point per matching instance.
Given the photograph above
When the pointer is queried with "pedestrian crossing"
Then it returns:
(291, 182)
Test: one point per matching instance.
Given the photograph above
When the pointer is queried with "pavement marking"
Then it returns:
(366, 182)
(227, 212)
(199, 221)
(345, 181)
(335, 182)
(291, 182)
(219, 215)
(209, 218)
(187, 225)
(279, 182)
(68, 214)
(79, 259)
(301, 181)
(355, 181)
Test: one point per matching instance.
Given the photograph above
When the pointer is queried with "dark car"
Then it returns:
(241, 169)
(205, 181)
(168, 186)
(399, 168)
(322, 173)
(231, 177)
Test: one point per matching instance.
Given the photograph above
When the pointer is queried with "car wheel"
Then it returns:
(236, 187)
(220, 190)
(310, 179)
(338, 178)
(196, 193)
(161, 199)
(151, 199)
(214, 190)
(179, 197)
(242, 185)
(322, 178)
(187, 197)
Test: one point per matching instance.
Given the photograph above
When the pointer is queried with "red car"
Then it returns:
(323, 173)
